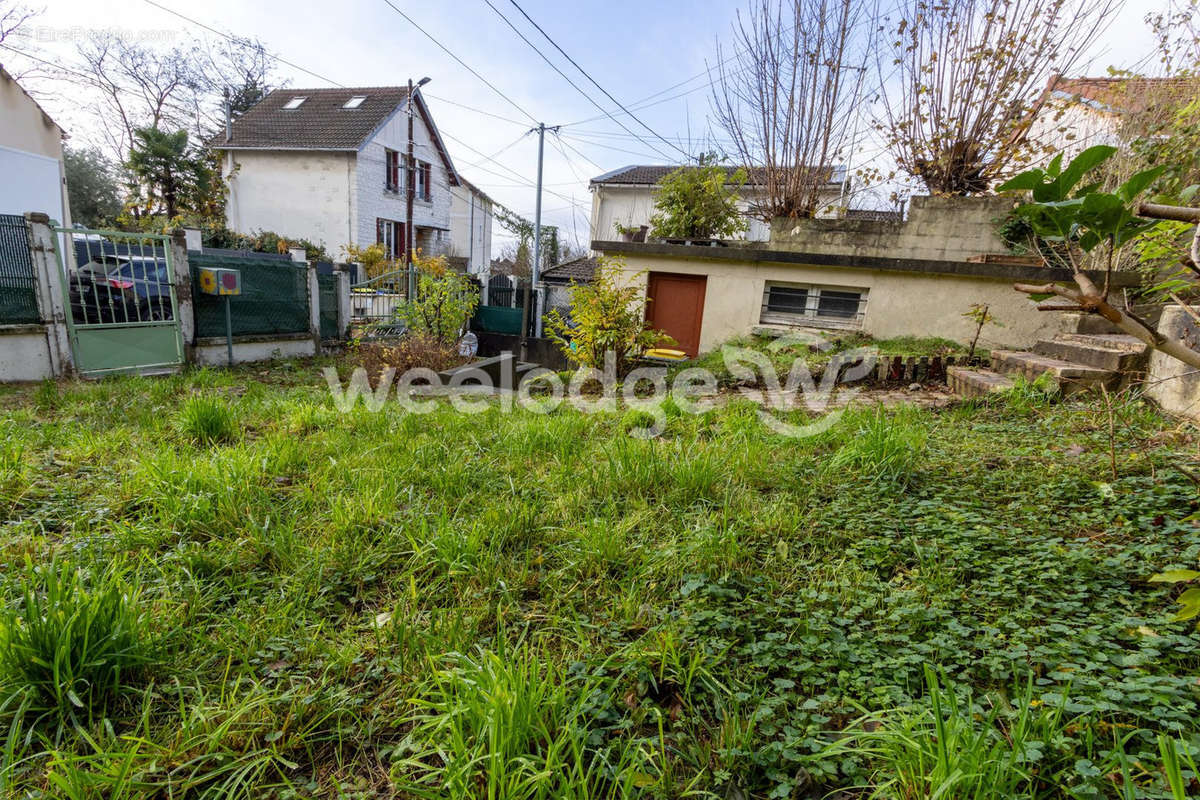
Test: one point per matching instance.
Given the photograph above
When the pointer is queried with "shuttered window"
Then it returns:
(817, 306)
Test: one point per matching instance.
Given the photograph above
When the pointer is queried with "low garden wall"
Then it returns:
(25, 353)
(213, 350)
(937, 229)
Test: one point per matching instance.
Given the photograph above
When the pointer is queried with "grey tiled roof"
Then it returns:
(581, 270)
(644, 174)
(320, 123)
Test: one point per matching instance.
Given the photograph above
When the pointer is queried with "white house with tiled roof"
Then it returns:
(328, 165)
(1073, 114)
(625, 196)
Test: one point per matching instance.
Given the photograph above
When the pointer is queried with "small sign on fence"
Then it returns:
(220, 281)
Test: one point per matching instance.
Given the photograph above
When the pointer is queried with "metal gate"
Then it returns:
(119, 292)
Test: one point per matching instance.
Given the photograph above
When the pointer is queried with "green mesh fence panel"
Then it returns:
(327, 284)
(274, 297)
(18, 298)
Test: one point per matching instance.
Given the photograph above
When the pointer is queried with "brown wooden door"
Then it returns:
(677, 307)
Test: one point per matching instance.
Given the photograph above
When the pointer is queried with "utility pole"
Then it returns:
(535, 270)
(410, 192)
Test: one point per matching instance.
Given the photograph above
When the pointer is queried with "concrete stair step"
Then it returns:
(967, 382)
(1114, 352)
(1069, 376)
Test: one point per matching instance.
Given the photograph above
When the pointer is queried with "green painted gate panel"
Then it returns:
(115, 348)
(274, 297)
(122, 345)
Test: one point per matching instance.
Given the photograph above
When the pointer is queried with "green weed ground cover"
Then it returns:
(274, 599)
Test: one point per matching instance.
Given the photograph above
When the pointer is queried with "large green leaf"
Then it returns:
(1175, 576)
(1082, 164)
(1140, 183)
(1025, 182)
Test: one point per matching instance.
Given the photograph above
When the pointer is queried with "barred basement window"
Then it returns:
(817, 306)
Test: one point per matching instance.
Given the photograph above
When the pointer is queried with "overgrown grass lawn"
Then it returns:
(217, 585)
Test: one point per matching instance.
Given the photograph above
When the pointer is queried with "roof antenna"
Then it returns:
(228, 117)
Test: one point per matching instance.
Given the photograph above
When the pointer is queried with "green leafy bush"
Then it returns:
(73, 640)
(444, 303)
(207, 420)
(698, 203)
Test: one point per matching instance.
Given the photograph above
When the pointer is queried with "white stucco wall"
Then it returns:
(634, 205)
(31, 152)
(898, 303)
(471, 228)
(1069, 126)
(307, 194)
(376, 202)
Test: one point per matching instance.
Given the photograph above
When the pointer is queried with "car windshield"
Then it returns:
(141, 271)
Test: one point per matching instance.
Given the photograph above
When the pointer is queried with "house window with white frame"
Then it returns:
(815, 306)
(390, 234)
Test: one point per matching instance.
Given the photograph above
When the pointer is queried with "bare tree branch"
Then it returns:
(787, 98)
(960, 80)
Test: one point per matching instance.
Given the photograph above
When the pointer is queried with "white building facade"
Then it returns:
(625, 197)
(329, 165)
(471, 226)
(31, 156)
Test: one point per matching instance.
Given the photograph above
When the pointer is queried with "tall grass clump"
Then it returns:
(883, 449)
(991, 747)
(512, 725)
(207, 420)
(73, 641)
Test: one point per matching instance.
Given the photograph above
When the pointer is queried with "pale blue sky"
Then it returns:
(633, 49)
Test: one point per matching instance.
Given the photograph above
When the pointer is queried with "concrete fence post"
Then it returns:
(314, 308)
(194, 239)
(183, 292)
(343, 294)
(49, 283)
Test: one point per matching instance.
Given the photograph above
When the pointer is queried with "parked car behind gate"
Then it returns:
(120, 289)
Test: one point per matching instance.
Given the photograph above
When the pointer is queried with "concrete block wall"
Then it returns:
(1175, 386)
(937, 229)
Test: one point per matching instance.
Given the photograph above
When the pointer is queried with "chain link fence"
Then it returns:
(18, 292)
(274, 297)
(328, 293)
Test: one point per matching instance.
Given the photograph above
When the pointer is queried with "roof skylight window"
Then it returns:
(355, 102)
(295, 102)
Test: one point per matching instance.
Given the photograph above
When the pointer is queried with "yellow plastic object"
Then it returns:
(663, 352)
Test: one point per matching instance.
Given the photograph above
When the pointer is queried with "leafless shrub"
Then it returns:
(404, 354)
(960, 81)
(788, 95)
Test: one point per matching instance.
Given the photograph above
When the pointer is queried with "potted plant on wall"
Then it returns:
(698, 205)
(626, 232)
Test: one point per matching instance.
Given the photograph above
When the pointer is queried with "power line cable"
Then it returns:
(585, 74)
(317, 75)
(564, 76)
(464, 64)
